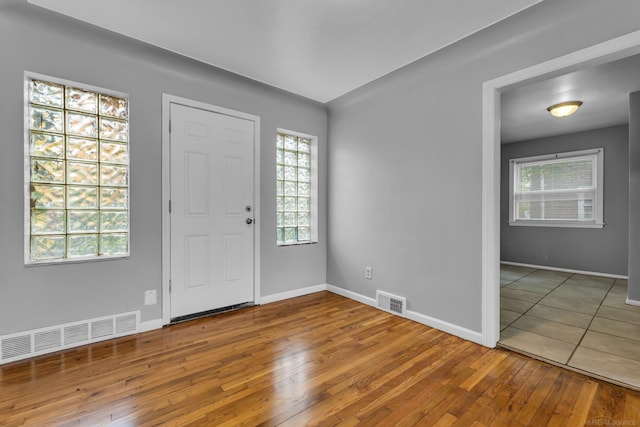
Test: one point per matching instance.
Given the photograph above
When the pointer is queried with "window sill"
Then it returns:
(284, 245)
(29, 263)
(560, 224)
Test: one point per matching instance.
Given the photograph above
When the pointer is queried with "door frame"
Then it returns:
(617, 48)
(167, 100)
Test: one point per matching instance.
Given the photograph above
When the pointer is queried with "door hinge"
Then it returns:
(169, 126)
(169, 285)
(169, 206)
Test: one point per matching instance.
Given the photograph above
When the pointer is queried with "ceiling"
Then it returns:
(603, 89)
(319, 49)
(322, 49)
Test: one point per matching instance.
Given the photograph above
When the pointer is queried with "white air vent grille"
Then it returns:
(102, 328)
(46, 340)
(391, 303)
(76, 333)
(54, 338)
(16, 346)
(126, 323)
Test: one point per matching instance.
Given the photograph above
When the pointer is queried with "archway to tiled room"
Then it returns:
(560, 314)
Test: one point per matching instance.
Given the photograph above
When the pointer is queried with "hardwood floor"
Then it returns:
(319, 359)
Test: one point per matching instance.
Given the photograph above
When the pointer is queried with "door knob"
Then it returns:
(249, 221)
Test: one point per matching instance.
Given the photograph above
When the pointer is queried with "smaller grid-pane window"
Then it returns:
(294, 193)
(77, 173)
(564, 189)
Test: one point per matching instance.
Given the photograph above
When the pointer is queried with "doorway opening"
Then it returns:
(612, 50)
(607, 52)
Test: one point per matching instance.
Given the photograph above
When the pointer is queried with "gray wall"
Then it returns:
(43, 42)
(634, 196)
(405, 158)
(599, 250)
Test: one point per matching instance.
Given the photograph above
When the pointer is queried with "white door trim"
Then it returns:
(168, 99)
(608, 51)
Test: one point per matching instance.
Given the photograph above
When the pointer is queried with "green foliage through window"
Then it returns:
(78, 175)
(293, 180)
(557, 188)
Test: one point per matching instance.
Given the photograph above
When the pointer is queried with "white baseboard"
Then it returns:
(352, 295)
(150, 325)
(441, 325)
(565, 270)
(632, 302)
(292, 294)
(447, 327)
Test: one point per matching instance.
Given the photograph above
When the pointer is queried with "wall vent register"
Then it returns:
(391, 303)
(36, 342)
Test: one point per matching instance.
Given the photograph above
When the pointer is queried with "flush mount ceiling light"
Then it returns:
(564, 109)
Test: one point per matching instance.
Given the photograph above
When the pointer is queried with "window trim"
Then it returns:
(598, 201)
(314, 206)
(28, 262)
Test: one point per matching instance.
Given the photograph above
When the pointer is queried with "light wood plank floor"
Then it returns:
(319, 359)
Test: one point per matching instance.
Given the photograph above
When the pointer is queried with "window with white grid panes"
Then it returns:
(557, 190)
(295, 189)
(76, 172)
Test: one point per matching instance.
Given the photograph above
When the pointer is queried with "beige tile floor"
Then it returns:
(575, 320)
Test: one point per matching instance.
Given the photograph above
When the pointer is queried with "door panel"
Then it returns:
(197, 183)
(233, 186)
(211, 184)
(196, 260)
(233, 254)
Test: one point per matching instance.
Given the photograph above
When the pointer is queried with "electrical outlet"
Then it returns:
(150, 297)
(368, 273)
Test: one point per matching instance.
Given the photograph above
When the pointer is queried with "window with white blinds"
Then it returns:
(562, 189)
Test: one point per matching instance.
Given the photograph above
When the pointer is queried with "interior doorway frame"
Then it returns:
(167, 100)
(614, 49)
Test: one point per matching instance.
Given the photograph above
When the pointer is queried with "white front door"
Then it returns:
(212, 234)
